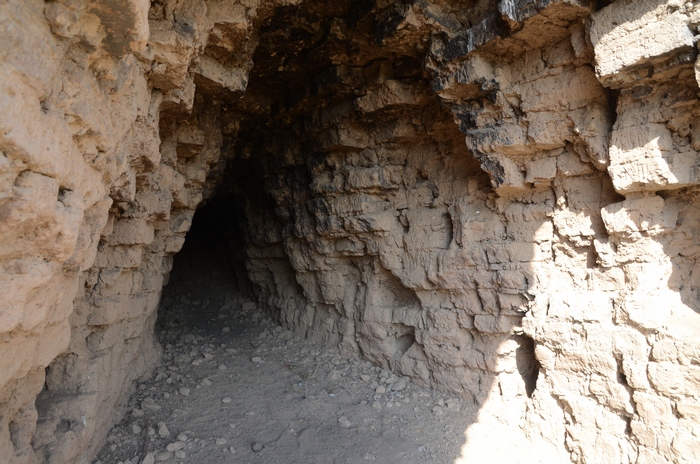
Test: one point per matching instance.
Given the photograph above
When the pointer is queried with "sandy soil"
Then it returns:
(234, 387)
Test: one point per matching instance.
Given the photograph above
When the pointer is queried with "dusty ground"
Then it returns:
(235, 387)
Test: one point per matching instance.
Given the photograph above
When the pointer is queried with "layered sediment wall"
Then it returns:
(493, 198)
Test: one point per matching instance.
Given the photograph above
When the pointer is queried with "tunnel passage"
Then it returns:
(208, 273)
(214, 247)
(352, 190)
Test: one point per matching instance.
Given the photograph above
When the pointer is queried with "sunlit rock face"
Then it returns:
(496, 199)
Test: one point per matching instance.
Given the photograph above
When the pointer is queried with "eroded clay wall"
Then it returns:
(495, 199)
(106, 148)
(558, 292)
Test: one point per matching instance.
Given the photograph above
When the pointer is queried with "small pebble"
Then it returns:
(399, 385)
(226, 329)
(365, 377)
(380, 389)
(345, 422)
(256, 359)
(184, 391)
(226, 400)
(175, 446)
(149, 403)
(257, 447)
(163, 430)
(135, 428)
(206, 382)
(180, 454)
(149, 459)
(163, 456)
(222, 367)
(220, 441)
(183, 437)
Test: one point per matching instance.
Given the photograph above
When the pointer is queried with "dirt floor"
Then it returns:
(234, 387)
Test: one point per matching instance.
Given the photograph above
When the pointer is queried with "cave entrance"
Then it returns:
(234, 386)
(339, 158)
(209, 273)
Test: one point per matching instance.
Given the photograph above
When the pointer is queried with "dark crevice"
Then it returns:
(449, 229)
(403, 343)
(527, 363)
(613, 96)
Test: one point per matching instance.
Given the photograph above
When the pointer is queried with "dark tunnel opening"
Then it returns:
(214, 246)
(209, 273)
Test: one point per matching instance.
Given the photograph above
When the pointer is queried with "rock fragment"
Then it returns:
(163, 431)
(345, 422)
(163, 456)
(175, 446)
(399, 385)
(150, 404)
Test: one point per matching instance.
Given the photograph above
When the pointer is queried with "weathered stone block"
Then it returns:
(214, 75)
(391, 94)
(119, 256)
(495, 324)
(630, 34)
(674, 380)
(582, 307)
(131, 232)
(647, 311)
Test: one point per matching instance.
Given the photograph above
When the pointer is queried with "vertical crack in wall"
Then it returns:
(528, 365)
